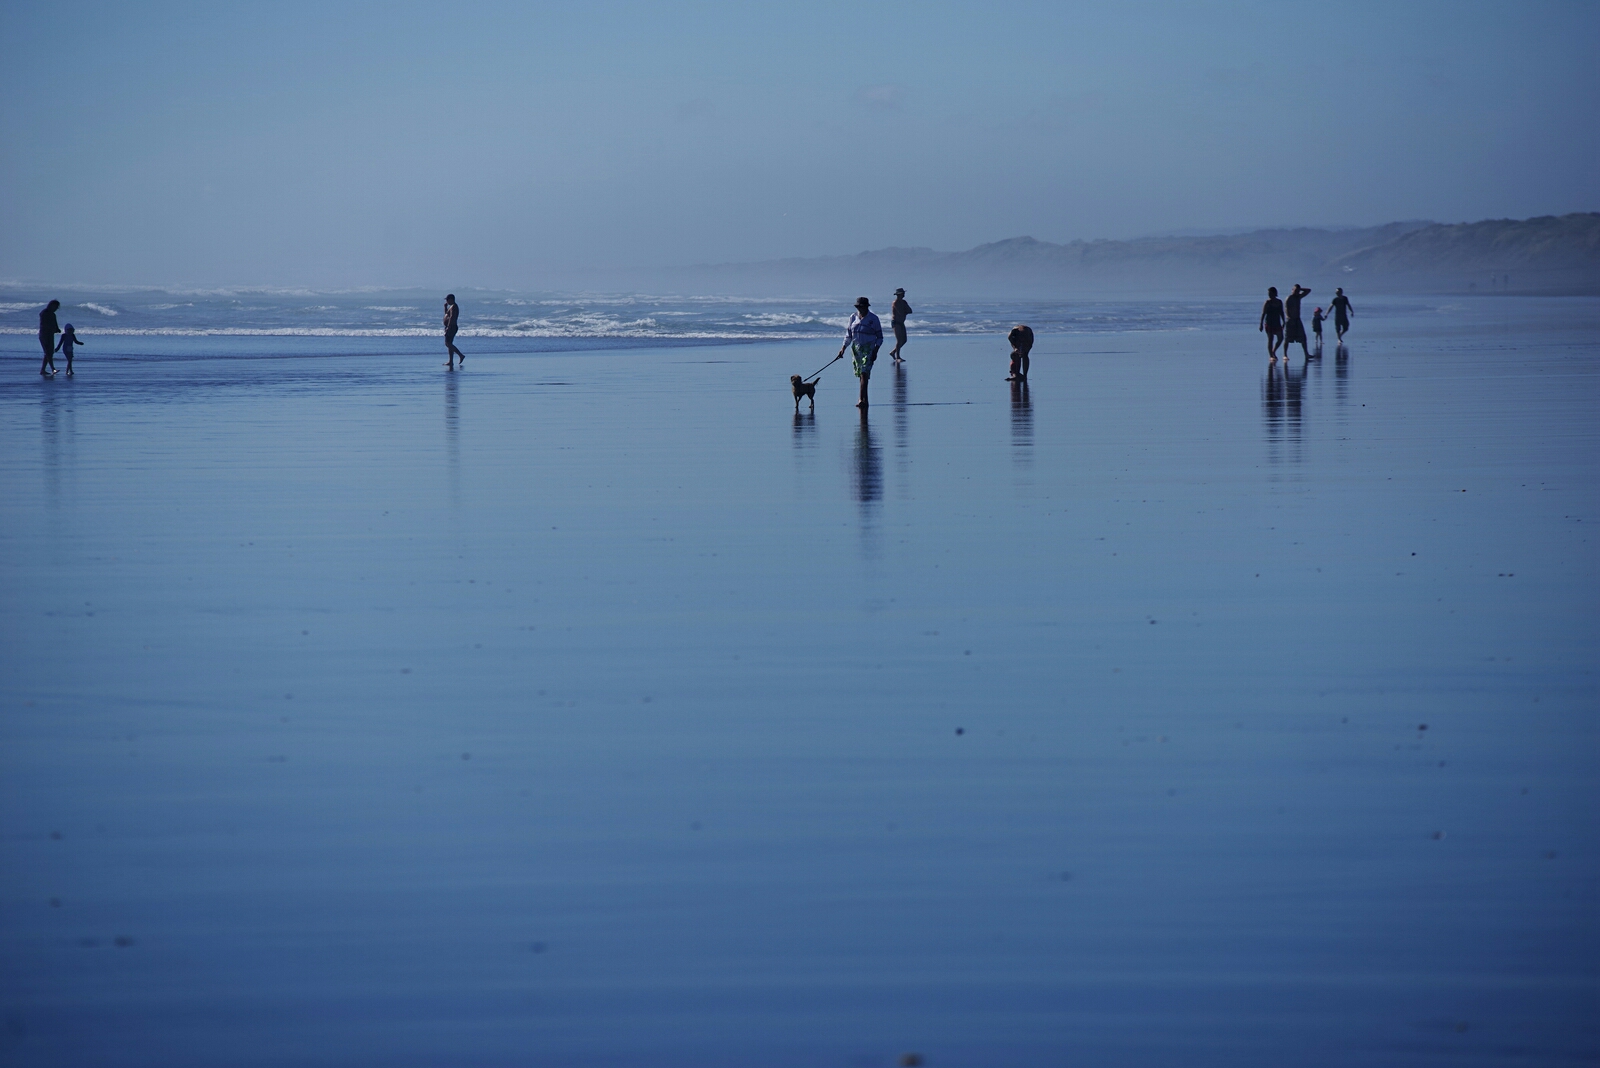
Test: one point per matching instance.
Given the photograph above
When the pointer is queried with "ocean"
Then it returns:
(545, 321)
(589, 705)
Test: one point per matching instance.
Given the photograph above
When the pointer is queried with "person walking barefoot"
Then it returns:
(1272, 323)
(48, 329)
(863, 337)
(452, 322)
(1295, 330)
(897, 319)
(1341, 313)
(68, 339)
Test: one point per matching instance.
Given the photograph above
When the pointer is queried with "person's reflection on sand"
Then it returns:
(866, 477)
(1281, 398)
(902, 427)
(1021, 425)
(452, 437)
(56, 441)
(867, 472)
(1341, 376)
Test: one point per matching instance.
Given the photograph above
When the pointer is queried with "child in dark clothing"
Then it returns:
(68, 339)
(1021, 338)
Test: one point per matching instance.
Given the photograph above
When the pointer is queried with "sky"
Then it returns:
(527, 145)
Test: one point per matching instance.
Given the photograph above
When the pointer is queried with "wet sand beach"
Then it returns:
(589, 707)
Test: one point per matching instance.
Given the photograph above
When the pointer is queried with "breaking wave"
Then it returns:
(630, 318)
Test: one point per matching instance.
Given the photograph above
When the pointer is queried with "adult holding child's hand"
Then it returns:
(48, 329)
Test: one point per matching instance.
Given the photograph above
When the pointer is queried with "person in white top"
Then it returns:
(863, 337)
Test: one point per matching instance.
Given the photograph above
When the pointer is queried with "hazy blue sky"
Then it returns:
(525, 144)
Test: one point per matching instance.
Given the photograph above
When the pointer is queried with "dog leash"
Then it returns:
(824, 367)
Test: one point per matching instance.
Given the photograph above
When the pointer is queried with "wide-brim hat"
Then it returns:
(900, 292)
(863, 302)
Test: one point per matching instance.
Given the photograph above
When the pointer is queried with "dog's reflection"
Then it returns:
(805, 429)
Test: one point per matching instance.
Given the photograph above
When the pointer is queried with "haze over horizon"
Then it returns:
(491, 145)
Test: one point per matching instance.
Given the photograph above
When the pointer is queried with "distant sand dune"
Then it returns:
(1546, 254)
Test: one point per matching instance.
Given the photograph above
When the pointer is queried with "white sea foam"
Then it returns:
(627, 317)
(779, 319)
(550, 331)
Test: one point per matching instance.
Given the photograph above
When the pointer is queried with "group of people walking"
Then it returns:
(1280, 321)
(863, 336)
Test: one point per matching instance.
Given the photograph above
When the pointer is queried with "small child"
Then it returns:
(68, 339)
(1316, 328)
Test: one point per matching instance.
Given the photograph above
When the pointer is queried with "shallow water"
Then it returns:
(589, 707)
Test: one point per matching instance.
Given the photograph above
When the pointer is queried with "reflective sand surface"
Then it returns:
(592, 708)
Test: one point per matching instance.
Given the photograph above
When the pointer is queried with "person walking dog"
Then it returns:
(863, 337)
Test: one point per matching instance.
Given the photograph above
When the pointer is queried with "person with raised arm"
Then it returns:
(1294, 329)
(69, 338)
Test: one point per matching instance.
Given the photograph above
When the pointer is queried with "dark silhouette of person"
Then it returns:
(1272, 323)
(1021, 338)
(897, 320)
(69, 338)
(863, 337)
(1294, 329)
(48, 329)
(1316, 328)
(452, 323)
(1341, 313)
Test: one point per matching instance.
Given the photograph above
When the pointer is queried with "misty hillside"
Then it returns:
(1567, 243)
(1544, 255)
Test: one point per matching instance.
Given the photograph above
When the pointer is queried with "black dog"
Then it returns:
(803, 389)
